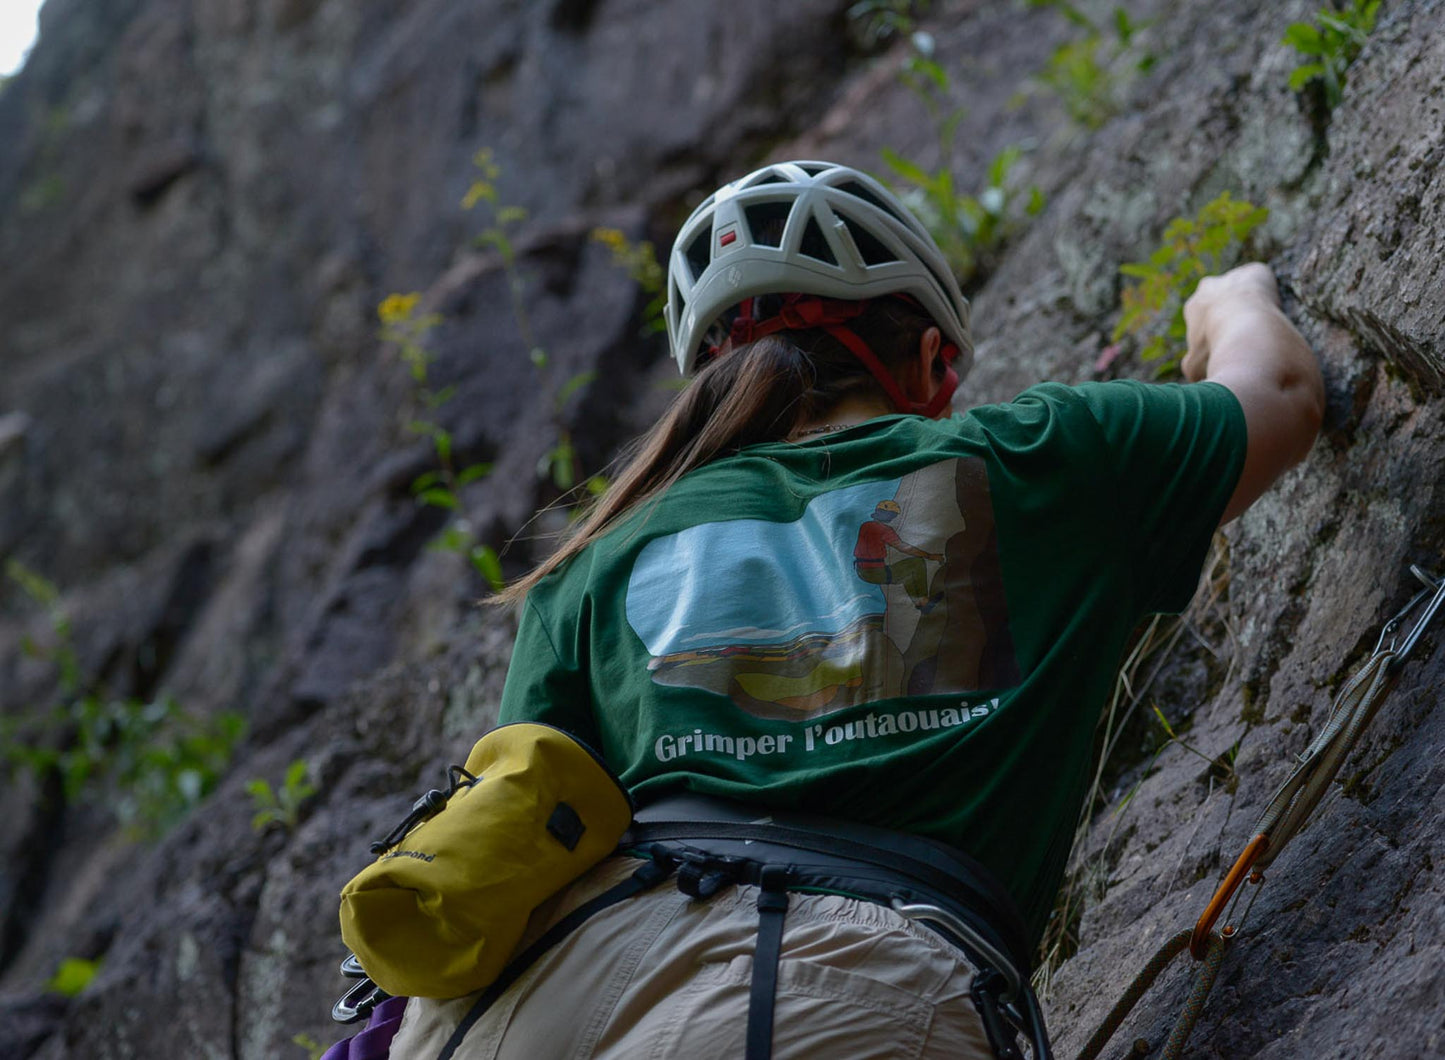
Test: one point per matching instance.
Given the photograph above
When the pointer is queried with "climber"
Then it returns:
(712, 597)
(870, 557)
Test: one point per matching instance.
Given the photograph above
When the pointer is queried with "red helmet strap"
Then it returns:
(800, 312)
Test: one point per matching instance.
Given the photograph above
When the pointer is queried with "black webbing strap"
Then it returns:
(763, 992)
(648, 875)
(993, 911)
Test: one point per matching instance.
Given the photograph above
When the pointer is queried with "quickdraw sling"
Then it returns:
(1287, 812)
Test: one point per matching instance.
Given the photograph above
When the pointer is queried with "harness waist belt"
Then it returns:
(843, 857)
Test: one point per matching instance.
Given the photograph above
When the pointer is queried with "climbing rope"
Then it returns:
(1281, 820)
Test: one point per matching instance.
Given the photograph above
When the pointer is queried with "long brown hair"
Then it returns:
(758, 392)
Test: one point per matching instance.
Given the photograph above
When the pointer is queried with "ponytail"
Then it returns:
(760, 392)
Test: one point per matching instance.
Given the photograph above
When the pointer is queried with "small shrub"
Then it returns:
(281, 806)
(147, 762)
(1191, 249)
(1330, 45)
(970, 229)
(641, 264)
(1089, 73)
(560, 463)
(407, 330)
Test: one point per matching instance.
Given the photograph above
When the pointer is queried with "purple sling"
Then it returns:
(374, 1042)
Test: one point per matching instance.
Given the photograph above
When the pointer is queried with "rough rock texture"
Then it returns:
(203, 443)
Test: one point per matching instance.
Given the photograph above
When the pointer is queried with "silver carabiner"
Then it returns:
(1435, 589)
(970, 937)
(357, 1003)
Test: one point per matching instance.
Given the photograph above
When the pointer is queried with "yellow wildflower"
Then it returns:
(397, 308)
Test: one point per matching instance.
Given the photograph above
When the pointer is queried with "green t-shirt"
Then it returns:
(910, 623)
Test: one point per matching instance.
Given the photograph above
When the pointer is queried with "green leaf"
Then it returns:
(438, 497)
(905, 168)
(561, 464)
(426, 480)
(484, 560)
(537, 356)
(72, 976)
(472, 473)
(259, 788)
(572, 385)
(452, 539)
(1123, 26)
(930, 71)
(296, 774)
(1304, 38)
(1303, 75)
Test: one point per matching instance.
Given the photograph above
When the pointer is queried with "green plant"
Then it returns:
(408, 330)
(970, 229)
(314, 1049)
(281, 806)
(560, 463)
(72, 976)
(1330, 45)
(1191, 249)
(640, 262)
(147, 761)
(1089, 73)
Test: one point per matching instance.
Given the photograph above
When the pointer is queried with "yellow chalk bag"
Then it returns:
(444, 905)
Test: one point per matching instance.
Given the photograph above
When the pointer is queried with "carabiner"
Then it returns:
(1199, 941)
(1432, 586)
(357, 1003)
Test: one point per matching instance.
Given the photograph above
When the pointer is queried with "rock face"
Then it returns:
(203, 442)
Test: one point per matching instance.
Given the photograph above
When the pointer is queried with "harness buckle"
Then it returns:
(702, 875)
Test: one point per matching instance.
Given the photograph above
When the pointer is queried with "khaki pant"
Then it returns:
(661, 975)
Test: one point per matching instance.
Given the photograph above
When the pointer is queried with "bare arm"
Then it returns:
(1239, 336)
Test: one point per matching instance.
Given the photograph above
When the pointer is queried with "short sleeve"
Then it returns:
(1177, 450)
(544, 684)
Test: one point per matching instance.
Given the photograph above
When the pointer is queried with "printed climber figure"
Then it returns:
(870, 557)
(862, 839)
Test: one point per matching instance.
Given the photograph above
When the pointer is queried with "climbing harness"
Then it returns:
(708, 844)
(1282, 819)
(715, 843)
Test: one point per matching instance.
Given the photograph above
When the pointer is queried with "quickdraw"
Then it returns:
(1282, 819)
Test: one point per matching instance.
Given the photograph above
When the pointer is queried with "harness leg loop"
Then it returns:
(1003, 1042)
(763, 991)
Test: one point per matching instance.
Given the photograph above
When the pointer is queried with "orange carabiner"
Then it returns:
(1199, 941)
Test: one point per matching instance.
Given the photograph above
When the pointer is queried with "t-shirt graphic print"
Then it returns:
(850, 603)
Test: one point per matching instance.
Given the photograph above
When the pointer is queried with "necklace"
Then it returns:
(827, 428)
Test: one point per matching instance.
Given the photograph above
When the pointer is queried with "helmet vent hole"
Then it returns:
(771, 178)
(699, 254)
(814, 245)
(869, 245)
(814, 168)
(852, 187)
(766, 221)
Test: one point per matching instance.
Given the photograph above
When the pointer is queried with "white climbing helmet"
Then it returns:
(843, 236)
